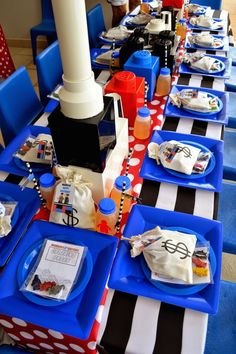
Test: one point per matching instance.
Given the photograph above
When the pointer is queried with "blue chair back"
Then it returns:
(49, 70)
(214, 4)
(221, 334)
(9, 349)
(229, 171)
(96, 24)
(226, 214)
(19, 104)
(47, 11)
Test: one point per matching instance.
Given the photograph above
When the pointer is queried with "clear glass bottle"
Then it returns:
(181, 28)
(163, 82)
(144, 7)
(116, 193)
(142, 124)
(47, 186)
(106, 216)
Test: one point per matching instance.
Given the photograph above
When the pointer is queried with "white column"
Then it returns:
(81, 96)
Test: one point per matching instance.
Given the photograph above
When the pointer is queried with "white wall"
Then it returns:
(18, 16)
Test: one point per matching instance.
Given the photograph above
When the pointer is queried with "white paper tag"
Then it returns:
(57, 270)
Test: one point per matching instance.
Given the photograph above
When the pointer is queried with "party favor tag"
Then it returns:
(36, 149)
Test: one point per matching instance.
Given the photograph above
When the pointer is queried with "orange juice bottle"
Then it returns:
(117, 191)
(163, 82)
(142, 124)
(181, 28)
(106, 216)
(144, 7)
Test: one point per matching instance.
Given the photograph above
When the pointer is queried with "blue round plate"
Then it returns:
(222, 68)
(177, 289)
(94, 52)
(195, 45)
(208, 170)
(7, 198)
(110, 41)
(203, 114)
(36, 167)
(206, 28)
(30, 257)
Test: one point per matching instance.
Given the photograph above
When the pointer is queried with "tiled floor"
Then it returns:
(23, 56)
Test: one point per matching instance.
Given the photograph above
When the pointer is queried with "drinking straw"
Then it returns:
(36, 185)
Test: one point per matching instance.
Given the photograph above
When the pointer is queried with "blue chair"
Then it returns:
(214, 4)
(8, 349)
(19, 104)
(45, 28)
(96, 24)
(230, 84)
(232, 54)
(49, 70)
(232, 110)
(226, 214)
(221, 333)
(229, 170)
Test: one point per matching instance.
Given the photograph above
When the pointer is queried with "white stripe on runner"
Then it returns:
(185, 126)
(167, 196)
(3, 175)
(194, 332)
(103, 77)
(43, 120)
(204, 204)
(195, 81)
(144, 326)
(218, 84)
(30, 184)
(105, 314)
(214, 131)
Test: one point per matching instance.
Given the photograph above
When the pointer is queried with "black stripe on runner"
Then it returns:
(97, 72)
(15, 179)
(216, 206)
(199, 127)
(116, 335)
(169, 330)
(211, 52)
(207, 81)
(200, 31)
(191, 50)
(149, 192)
(216, 14)
(185, 200)
(171, 124)
(120, 110)
(184, 79)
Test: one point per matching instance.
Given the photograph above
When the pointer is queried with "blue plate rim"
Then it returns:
(211, 71)
(220, 107)
(184, 289)
(47, 301)
(209, 169)
(213, 186)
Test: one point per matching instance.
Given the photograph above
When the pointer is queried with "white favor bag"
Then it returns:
(166, 252)
(174, 155)
(73, 204)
